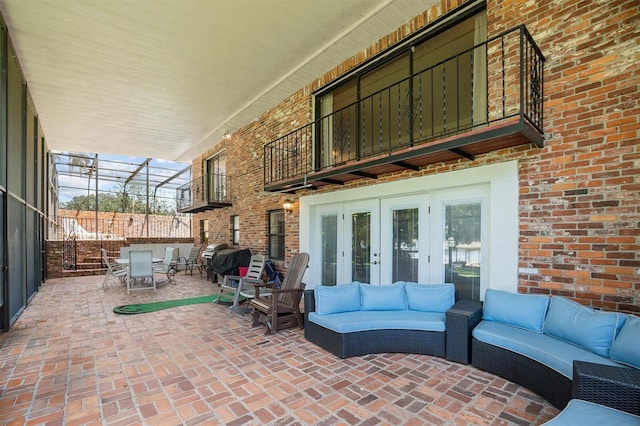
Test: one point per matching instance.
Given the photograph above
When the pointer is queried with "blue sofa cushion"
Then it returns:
(339, 298)
(626, 347)
(351, 322)
(520, 310)
(383, 297)
(554, 353)
(579, 412)
(586, 327)
(430, 297)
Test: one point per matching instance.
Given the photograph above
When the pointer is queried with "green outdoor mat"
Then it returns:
(156, 306)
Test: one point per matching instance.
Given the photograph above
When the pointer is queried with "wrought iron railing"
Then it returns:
(495, 80)
(208, 189)
(72, 228)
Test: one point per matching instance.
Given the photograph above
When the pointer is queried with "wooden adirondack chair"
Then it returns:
(281, 309)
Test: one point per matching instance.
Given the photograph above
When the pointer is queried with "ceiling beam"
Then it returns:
(463, 153)
(406, 165)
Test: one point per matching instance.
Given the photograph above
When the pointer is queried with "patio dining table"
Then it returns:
(125, 261)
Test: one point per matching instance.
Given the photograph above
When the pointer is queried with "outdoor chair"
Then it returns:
(113, 270)
(243, 285)
(141, 274)
(169, 264)
(281, 308)
(190, 262)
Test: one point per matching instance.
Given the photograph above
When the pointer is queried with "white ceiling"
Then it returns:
(167, 78)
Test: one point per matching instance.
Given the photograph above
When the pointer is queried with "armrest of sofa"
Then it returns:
(615, 387)
(462, 318)
(309, 304)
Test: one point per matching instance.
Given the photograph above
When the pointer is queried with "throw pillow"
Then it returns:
(339, 298)
(580, 325)
(430, 297)
(520, 310)
(626, 347)
(383, 297)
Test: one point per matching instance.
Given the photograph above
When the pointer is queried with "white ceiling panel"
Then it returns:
(167, 78)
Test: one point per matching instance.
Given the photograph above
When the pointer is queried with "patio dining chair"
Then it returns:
(113, 270)
(141, 275)
(169, 264)
(190, 262)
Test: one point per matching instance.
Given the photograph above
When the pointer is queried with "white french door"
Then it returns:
(361, 244)
(461, 227)
(373, 241)
(404, 225)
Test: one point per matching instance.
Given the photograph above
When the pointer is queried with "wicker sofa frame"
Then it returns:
(454, 343)
(533, 375)
(615, 387)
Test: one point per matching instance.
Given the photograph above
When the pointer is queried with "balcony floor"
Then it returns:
(70, 360)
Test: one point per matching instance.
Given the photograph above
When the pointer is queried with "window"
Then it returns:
(235, 230)
(215, 179)
(422, 92)
(276, 234)
(204, 231)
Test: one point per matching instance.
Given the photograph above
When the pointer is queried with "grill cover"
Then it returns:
(227, 261)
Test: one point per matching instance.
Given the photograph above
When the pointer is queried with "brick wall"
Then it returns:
(88, 255)
(124, 225)
(580, 194)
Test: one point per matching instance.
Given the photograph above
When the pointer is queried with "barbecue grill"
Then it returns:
(208, 254)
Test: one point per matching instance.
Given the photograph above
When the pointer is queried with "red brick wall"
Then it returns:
(580, 194)
(88, 254)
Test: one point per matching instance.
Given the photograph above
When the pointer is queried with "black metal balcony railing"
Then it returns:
(499, 79)
(204, 192)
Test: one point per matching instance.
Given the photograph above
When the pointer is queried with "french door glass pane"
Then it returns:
(462, 248)
(329, 249)
(405, 245)
(361, 247)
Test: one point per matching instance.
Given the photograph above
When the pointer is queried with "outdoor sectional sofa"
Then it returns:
(550, 345)
(534, 340)
(357, 319)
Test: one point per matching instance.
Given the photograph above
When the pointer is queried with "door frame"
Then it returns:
(502, 215)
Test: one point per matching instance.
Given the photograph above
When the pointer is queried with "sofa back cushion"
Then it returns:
(626, 347)
(520, 310)
(430, 297)
(582, 326)
(383, 297)
(339, 298)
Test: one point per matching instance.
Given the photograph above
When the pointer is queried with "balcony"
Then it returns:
(207, 192)
(483, 99)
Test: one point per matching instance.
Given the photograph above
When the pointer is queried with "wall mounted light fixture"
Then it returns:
(287, 206)
(227, 135)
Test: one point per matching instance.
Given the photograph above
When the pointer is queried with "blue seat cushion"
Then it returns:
(591, 329)
(430, 297)
(626, 347)
(339, 298)
(579, 412)
(383, 297)
(519, 310)
(349, 322)
(548, 350)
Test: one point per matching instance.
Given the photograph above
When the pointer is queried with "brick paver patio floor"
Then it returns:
(69, 360)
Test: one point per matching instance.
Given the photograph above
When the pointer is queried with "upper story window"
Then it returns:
(215, 182)
(424, 91)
